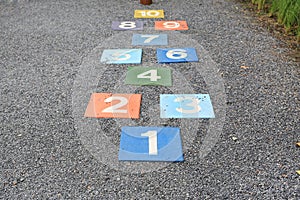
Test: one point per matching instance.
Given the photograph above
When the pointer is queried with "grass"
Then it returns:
(287, 13)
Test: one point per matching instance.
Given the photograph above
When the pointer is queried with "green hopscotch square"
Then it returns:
(148, 76)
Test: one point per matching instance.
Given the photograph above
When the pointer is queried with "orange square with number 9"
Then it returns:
(108, 105)
(171, 25)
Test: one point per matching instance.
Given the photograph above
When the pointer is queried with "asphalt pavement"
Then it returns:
(50, 64)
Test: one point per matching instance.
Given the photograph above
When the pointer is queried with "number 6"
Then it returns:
(177, 54)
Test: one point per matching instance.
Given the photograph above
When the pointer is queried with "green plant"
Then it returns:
(286, 11)
(260, 3)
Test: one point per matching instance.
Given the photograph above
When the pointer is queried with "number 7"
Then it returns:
(150, 38)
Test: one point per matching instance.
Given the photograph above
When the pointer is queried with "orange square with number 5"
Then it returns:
(108, 105)
(171, 25)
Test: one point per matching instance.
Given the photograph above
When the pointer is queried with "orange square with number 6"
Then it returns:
(171, 25)
(108, 105)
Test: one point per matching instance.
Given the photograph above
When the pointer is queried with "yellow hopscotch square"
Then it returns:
(149, 14)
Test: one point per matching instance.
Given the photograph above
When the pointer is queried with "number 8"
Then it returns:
(127, 25)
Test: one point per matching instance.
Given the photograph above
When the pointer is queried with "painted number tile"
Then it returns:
(172, 55)
(122, 56)
(127, 25)
(149, 14)
(149, 39)
(107, 105)
(171, 25)
(186, 106)
(150, 144)
(148, 76)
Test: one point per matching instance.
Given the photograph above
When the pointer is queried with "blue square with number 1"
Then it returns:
(176, 55)
(150, 144)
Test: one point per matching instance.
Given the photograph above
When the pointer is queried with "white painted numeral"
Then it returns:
(149, 38)
(152, 139)
(150, 13)
(127, 25)
(121, 56)
(177, 54)
(194, 104)
(171, 24)
(114, 108)
(152, 75)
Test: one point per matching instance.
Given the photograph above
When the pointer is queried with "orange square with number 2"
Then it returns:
(171, 25)
(108, 105)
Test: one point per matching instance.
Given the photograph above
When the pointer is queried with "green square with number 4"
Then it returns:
(148, 76)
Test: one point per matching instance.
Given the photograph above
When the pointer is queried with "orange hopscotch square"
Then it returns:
(171, 25)
(108, 105)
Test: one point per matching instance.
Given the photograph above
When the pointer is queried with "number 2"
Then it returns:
(152, 139)
(114, 108)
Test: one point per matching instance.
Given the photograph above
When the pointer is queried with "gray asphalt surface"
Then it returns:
(44, 46)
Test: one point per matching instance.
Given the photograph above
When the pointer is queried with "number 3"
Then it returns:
(194, 104)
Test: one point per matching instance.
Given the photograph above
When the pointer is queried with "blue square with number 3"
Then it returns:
(150, 144)
(177, 55)
(186, 106)
(122, 56)
(149, 39)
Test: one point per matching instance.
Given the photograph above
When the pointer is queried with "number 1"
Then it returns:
(152, 139)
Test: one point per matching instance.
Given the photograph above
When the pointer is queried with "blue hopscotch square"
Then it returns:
(149, 39)
(175, 55)
(186, 106)
(150, 144)
(122, 56)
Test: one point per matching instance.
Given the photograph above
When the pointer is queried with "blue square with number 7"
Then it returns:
(150, 39)
(150, 144)
(186, 106)
(122, 56)
(176, 55)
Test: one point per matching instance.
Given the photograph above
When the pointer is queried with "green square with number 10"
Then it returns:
(148, 76)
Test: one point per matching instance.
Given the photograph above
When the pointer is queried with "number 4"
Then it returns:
(152, 75)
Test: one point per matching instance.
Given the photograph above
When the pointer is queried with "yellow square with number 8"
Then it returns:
(149, 14)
